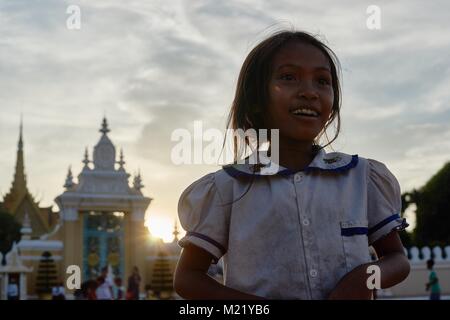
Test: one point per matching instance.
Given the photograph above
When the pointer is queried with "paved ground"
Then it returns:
(412, 298)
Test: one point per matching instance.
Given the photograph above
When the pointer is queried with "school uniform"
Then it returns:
(293, 235)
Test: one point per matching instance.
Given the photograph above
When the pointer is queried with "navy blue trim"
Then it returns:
(208, 239)
(348, 232)
(235, 173)
(349, 166)
(383, 223)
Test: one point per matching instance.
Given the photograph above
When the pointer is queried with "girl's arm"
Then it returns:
(394, 268)
(191, 280)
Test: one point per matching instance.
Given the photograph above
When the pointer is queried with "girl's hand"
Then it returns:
(394, 268)
(353, 286)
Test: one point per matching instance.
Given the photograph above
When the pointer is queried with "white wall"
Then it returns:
(414, 284)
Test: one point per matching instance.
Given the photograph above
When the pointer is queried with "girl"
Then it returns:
(304, 232)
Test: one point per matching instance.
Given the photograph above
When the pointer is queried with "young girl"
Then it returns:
(304, 232)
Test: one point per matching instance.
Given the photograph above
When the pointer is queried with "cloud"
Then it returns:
(156, 66)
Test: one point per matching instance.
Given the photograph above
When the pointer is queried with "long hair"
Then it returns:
(251, 97)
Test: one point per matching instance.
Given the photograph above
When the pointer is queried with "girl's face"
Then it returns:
(301, 79)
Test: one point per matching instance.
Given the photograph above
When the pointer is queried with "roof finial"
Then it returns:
(21, 133)
(175, 231)
(86, 160)
(69, 179)
(137, 183)
(121, 162)
(104, 128)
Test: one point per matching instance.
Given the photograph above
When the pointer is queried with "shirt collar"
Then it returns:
(332, 162)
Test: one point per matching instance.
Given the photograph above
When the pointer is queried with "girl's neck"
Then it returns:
(295, 155)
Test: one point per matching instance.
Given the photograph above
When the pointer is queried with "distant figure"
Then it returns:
(118, 289)
(104, 290)
(134, 282)
(433, 282)
(58, 292)
(13, 290)
(90, 289)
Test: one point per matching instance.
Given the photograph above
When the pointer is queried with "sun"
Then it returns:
(160, 227)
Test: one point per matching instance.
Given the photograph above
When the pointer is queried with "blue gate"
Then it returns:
(103, 243)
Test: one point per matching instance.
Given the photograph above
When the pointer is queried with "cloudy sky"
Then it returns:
(154, 66)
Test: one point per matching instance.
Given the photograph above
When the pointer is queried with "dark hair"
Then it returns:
(430, 263)
(249, 104)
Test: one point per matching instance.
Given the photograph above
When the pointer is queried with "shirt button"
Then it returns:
(313, 273)
(298, 177)
(305, 222)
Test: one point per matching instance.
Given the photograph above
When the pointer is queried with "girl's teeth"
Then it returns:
(305, 112)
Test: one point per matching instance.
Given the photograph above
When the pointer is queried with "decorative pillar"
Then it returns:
(5, 286)
(23, 286)
(72, 239)
(138, 234)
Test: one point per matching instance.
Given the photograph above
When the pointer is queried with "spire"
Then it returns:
(86, 159)
(104, 128)
(69, 180)
(19, 176)
(104, 151)
(137, 183)
(121, 162)
(20, 134)
(175, 231)
(19, 184)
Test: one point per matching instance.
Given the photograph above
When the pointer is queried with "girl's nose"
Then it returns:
(307, 90)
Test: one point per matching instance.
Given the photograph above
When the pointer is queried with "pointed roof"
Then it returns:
(19, 185)
(20, 202)
(104, 151)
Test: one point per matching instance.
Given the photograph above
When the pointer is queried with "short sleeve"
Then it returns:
(383, 201)
(204, 217)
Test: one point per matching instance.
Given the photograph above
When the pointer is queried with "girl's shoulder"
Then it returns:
(215, 184)
(376, 170)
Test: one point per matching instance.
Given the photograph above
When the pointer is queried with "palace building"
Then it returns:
(100, 223)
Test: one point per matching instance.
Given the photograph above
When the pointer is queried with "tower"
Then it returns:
(19, 202)
(103, 216)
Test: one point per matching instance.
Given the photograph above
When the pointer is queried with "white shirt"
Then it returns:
(13, 290)
(293, 235)
(103, 291)
(58, 291)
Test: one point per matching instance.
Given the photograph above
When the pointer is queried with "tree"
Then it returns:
(9, 233)
(433, 210)
(46, 277)
(162, 281)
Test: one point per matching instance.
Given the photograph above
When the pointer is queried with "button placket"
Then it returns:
(306, 238)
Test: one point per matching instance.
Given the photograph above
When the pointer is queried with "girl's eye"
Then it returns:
(288, 77)
(324, 81)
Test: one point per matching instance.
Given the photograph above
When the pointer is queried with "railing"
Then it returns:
(439, 254)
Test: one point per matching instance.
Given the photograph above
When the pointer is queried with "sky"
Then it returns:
(155, 66)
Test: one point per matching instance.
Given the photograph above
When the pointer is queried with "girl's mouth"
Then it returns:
(304, 112)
